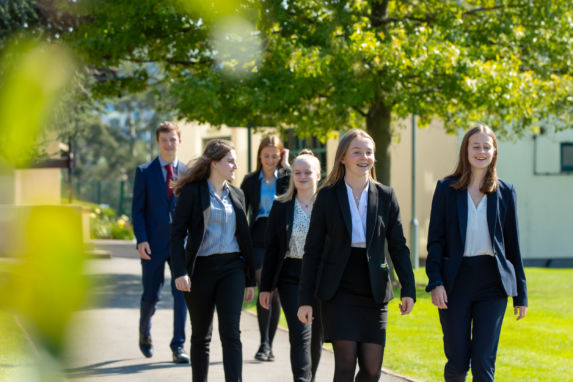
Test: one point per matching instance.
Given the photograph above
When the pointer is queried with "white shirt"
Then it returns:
(478, 241)
(358, 216)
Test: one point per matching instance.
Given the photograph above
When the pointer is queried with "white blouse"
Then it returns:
(358, 216)
(478, 241)
(300, 224)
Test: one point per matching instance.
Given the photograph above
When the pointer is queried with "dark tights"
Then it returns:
(369, 360)
(268, 319)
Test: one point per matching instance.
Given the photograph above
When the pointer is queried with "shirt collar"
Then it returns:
(276, 174)
(164, 163)
(365, 190)
(213, 193)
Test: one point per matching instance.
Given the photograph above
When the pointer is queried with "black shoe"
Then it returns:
(262, 354)
(270, 356)
(146, 345)
(179, 356)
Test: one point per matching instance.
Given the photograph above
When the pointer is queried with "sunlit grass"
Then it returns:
(538, 348)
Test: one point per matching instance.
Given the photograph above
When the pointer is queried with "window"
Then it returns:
(296, 144)
(566, 157)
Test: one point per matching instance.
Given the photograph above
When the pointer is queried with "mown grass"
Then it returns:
(537, 348)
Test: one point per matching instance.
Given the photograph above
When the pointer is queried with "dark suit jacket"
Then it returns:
(251, 186)
(447, 236)
(151, 209)
(279, 230)
(193, 209)
(328, 244)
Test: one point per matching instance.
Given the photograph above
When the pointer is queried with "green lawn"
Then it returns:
(537, 348)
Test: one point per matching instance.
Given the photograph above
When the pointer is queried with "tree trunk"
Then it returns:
(378, 126)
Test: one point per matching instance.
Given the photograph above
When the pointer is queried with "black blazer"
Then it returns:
(279, 230)
(328, 244)
(251, 186)
(192, 210)
(447, 236)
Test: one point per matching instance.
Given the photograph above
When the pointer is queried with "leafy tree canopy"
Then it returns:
(324, 65)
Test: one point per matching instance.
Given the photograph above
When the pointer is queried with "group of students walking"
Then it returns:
(320, 253)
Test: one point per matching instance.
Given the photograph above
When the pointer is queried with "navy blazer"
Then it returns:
(193, 209)
(151, 210)
(329, 239)
(447, 236)
(279, 230)
(251, 187)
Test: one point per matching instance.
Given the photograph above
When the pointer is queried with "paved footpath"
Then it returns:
(104, 336)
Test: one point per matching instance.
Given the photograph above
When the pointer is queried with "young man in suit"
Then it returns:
(153, 206)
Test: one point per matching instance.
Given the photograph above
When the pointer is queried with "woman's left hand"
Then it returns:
(406, 305)
(249, 294)
(522, 310)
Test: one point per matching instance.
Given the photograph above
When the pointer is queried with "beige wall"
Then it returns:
(37, 186)
(436, 158)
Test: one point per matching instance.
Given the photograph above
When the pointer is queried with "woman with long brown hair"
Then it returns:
(214, 266)
(474, 261)
(344, 262)
(260, 187)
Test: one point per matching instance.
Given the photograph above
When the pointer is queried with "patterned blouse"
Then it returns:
(300, 224)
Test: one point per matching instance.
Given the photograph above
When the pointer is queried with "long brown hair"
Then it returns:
(291, 191)
(463, 171)
(272, 141)
(338, 170)
(200, 168)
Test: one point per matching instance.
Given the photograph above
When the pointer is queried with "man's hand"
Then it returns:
(144, 250)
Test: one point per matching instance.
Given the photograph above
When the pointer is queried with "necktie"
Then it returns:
(168, 179)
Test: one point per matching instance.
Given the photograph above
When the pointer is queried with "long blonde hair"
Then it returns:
(200, 168)
(464, 169)
(339, 170)
(291, 191)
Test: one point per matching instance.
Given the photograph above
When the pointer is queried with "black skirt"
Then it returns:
(352, 314)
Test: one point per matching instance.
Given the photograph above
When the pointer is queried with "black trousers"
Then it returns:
(305, 340)
(218, 281)
(472, 323)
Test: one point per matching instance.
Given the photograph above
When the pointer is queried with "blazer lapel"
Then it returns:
(492, 213)
(462, 199)
(372, 212)
(160, 180)
(205, 204)
(342, 195)
(289, 218)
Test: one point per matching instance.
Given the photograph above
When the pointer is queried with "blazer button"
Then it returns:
(384, 266)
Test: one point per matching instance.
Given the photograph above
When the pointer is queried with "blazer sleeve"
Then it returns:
(272, 248)
(138, 206)
(436, 237)
(399, 252)
(513, 251)
(247, 248)
(181, 217)
(313, 249)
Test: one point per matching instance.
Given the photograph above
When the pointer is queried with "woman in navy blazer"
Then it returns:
(344, 261)
(260, 188)
(474, 261)
(211, 248)
(286, 235)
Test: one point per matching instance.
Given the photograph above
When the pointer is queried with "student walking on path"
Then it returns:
(214, 268)
(474, 261)
(286, 234)
(344, 262)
